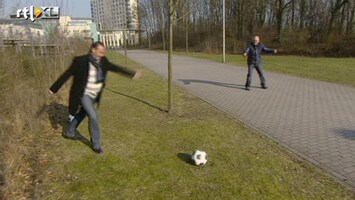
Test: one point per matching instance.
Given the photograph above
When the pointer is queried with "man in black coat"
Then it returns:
(89, 75)
(253, 51)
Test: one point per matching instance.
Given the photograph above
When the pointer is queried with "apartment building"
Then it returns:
(112, 17)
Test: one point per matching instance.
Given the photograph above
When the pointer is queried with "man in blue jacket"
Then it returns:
(253, 51)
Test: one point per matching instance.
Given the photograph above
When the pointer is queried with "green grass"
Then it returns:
(146, 148)
(336, 70)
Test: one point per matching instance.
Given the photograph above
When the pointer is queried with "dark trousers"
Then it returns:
(87, 109)
(259, 69)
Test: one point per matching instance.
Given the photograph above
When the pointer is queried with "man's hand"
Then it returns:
(275, 51)
(245, 54)
(137, 75)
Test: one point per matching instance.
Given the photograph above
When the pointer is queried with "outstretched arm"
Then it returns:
(134, 74)
(63, 78)
(269, 50)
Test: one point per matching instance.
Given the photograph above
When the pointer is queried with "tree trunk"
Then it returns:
(149, 37)
(279, 19)
(342, 20)
(163, 29)
(240, 20)
(334, 13)
(281, 7)
(350, 18)
(187, 24)
(170, 58)
(302, 13)
(260, 13)
(293, 14)
(125, 47)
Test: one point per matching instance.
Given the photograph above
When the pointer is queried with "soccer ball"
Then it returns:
(199, 158)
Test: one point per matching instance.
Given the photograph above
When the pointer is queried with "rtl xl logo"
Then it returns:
(44, 12)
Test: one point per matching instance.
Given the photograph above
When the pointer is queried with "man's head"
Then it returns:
(98, 50)
(256, 40)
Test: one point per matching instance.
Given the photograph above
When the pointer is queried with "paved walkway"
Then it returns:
(314, 119)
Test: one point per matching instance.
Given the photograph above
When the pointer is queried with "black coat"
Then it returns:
(79, 69)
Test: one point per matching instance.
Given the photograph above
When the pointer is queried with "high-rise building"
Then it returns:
(115, 14)
(117, 21)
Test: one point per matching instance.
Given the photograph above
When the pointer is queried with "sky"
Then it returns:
(73, 8)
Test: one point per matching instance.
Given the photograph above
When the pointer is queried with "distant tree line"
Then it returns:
(310, 27)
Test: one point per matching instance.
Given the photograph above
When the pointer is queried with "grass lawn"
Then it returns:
(337, 70)
(147, 150)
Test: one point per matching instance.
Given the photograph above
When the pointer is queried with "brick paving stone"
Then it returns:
(312, 118)
(349, 170)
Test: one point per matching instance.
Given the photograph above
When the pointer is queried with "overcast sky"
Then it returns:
(73, 8)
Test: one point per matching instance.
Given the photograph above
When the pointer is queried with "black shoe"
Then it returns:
(247, 88)
(264, 86)
(99, 150)
(68, 137)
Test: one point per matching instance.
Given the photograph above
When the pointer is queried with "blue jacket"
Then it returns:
(254, 53)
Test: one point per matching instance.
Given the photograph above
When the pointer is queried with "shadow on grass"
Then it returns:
(57, 113)
(186, 158)
(58, 117)
(229, 85)
(142, 101)
(2, 181)
(346, 133)
(2, 184)
(82, 139)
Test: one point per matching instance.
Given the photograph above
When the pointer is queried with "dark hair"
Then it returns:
(96, 44)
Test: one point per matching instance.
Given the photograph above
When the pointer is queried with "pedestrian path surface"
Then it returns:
(314, 119)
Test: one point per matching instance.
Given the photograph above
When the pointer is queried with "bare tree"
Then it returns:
(187, 25)
(281, 6)
(260, 12)
(200, 27)
(240, 7)
(335, 8)
(350, 16)
(172, 11)
(302, 13)
(163, 28)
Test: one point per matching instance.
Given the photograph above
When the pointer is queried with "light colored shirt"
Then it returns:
(92, 87)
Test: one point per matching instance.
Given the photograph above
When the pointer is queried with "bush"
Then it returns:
(24, 82)
(342, 47)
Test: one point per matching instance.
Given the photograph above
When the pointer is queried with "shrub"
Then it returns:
(24, 82)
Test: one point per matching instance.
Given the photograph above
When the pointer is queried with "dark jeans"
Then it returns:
(87, 109)
(259, 69)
